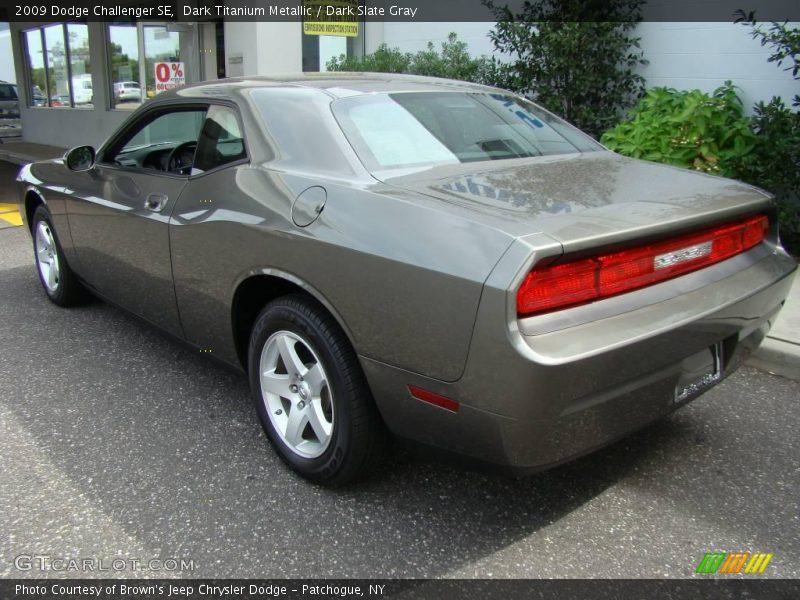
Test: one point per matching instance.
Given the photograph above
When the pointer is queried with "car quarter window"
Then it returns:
(221, 141)
(164, 141)
(304, 132)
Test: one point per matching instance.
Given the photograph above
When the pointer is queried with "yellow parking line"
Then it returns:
(10, 214)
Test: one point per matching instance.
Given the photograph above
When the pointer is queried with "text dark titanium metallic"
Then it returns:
(436, 260)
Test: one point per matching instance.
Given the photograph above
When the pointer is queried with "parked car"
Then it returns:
(127, 91)
(82, 89)
(37, 97)
(9, 101)
(59, 101)
(436, 261)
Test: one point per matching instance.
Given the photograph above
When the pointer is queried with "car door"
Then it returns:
(119, 221)
(209, 230)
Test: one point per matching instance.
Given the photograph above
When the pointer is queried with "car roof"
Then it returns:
(335, 84)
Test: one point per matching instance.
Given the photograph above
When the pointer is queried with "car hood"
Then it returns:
(583, 200)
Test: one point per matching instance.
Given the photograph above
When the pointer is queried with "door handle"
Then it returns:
(155, 202)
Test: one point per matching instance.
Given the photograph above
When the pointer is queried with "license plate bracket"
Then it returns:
(699, 372)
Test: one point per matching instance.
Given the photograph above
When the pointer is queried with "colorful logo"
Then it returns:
(734, 562)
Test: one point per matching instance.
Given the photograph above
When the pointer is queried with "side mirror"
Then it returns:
(80, 158)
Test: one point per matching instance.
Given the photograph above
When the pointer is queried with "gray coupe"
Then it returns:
(400, 257)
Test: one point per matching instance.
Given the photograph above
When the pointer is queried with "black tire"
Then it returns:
(359, 439)
(68, 291)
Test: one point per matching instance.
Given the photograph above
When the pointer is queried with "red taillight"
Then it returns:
(576, 282)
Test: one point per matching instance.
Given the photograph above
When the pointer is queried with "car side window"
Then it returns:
(164, 142)
(221, 141)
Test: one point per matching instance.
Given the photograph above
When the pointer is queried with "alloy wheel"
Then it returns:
(47, 257)
(296, 394)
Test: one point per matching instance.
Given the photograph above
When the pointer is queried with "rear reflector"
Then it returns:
(432, 398)
(550, 287)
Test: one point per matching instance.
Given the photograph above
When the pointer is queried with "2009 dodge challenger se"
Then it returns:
(395, 256)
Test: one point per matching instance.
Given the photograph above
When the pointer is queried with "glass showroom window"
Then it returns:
(123, 56)
(148, 58)
(170, 55)
(37, 73)
(59, 66)
(57, 71)
(80, 64)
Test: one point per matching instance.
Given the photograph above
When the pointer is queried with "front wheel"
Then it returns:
(311, 395)
(59, 282)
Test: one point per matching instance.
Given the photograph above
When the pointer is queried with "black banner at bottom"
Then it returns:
(405, 589)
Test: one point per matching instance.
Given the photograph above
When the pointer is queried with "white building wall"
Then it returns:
(705, 55)
(256, 48)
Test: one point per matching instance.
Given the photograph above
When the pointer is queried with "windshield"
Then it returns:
(417, 129)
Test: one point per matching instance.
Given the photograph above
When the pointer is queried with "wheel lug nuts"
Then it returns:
(293, 388)
(279, 412)
(301, 404)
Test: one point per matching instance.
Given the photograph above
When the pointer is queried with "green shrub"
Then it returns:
(688, 129)
(774, 164)
(451, 62)
(383, 60)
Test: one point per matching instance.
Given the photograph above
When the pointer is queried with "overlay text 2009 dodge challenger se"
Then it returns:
(436, 261)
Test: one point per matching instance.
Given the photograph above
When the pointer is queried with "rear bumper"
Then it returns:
(529, 401)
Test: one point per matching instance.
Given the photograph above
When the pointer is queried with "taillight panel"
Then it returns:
(577, 282)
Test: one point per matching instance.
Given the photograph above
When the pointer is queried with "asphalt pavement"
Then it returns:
(118, 443)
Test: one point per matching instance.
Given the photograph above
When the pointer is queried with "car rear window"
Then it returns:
(8, 92)
(412, 129)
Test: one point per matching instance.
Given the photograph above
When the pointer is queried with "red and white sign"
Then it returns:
(169, 75)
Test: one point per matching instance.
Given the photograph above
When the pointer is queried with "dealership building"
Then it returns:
(79, 80)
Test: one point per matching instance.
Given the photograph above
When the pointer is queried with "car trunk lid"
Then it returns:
(584, 201)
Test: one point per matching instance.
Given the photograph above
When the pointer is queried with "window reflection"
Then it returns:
(80, 64)
(123, 47)
(59, 66)
(57, 80)
(36, 71)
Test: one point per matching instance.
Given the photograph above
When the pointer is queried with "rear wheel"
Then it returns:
(312, 398)
(59, 282)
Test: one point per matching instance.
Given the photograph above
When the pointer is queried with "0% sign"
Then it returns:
(169, 75)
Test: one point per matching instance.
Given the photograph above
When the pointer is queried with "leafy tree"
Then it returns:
(576, 58)
(784, 40)
(774, 163)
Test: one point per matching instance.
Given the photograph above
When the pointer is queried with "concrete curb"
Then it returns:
(778, 357)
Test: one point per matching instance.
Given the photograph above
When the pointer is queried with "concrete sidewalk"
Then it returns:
(779, 354)
(21, 153)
